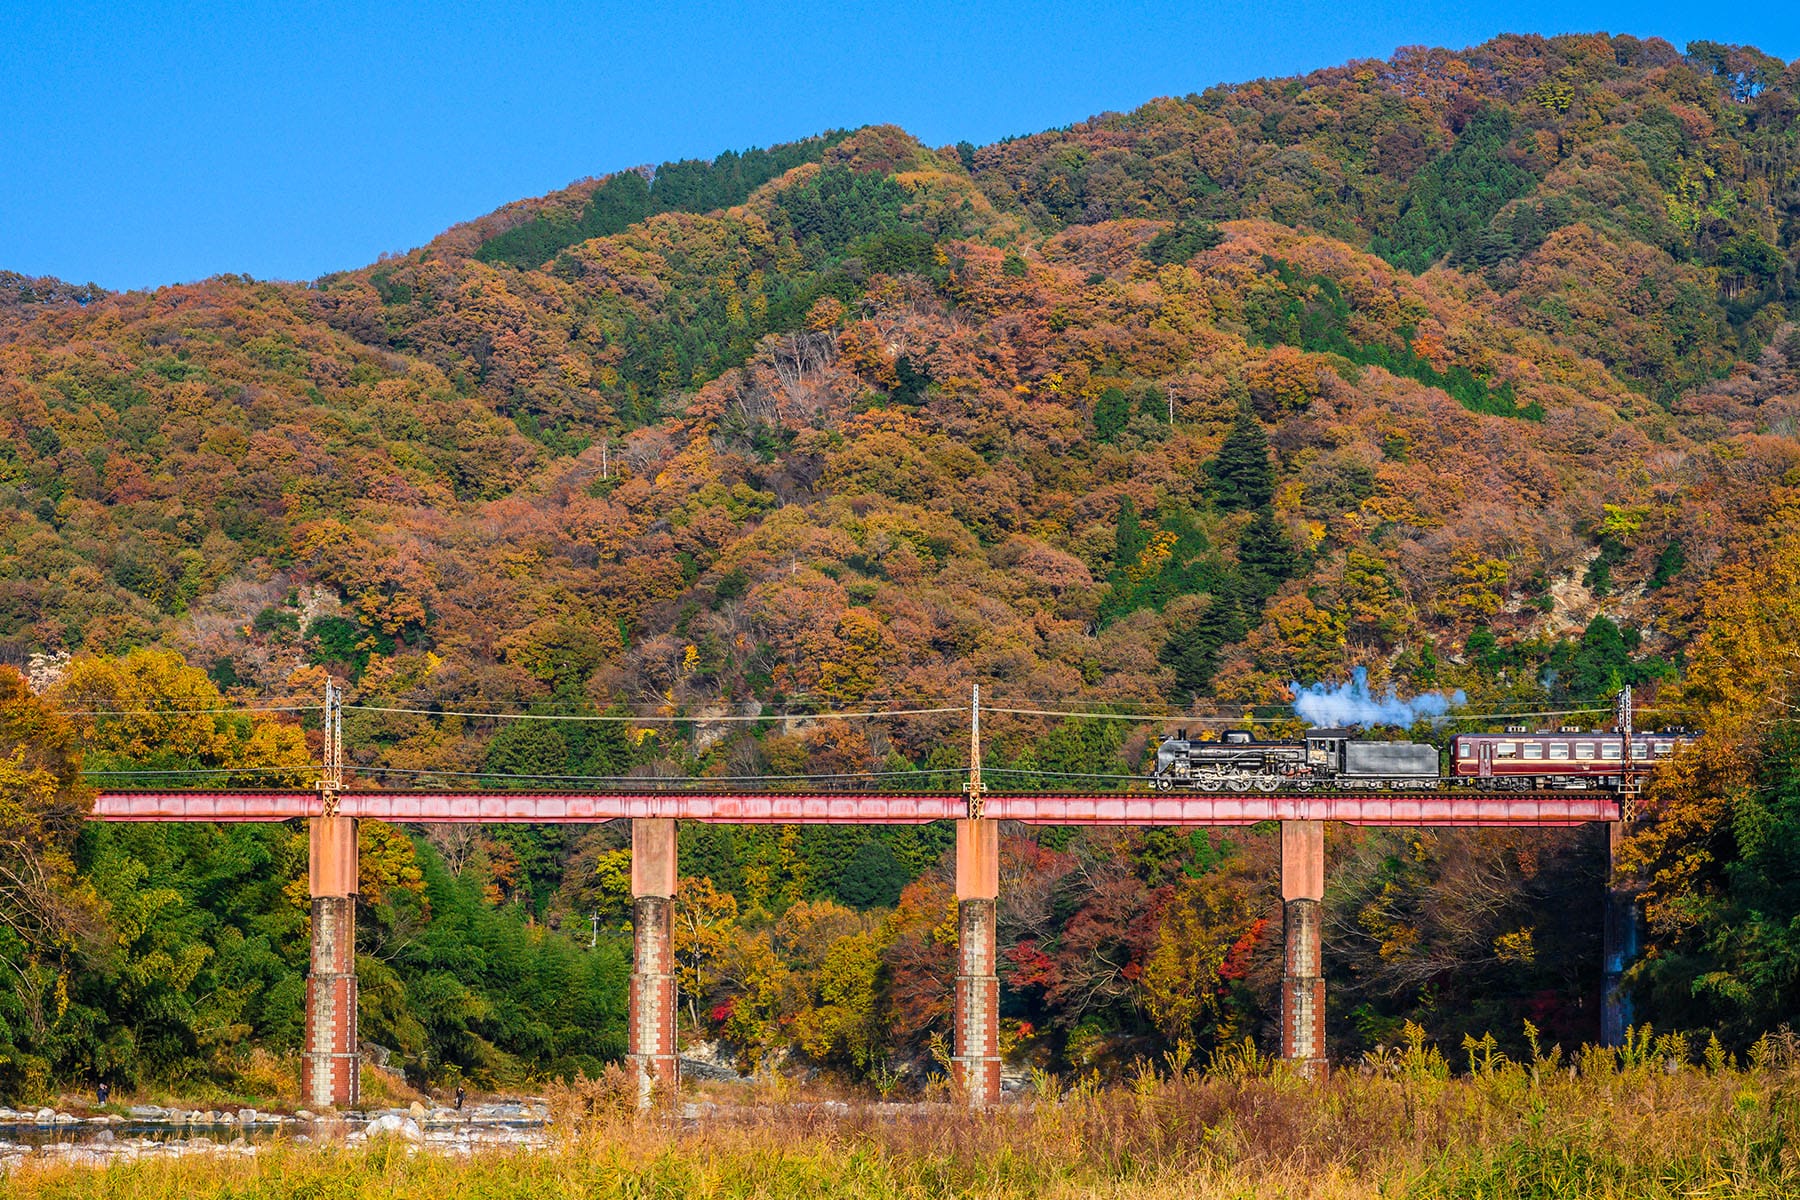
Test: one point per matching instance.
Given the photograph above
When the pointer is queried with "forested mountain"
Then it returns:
(1470, 369)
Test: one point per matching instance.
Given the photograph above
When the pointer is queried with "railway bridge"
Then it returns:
(330, 1063)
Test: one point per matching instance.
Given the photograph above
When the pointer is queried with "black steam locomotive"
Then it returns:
(1325, 758)
(1516, 760)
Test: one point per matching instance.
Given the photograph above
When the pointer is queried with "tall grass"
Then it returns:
(1641, 1123)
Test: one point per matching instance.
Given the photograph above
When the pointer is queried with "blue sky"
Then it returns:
(158, 142)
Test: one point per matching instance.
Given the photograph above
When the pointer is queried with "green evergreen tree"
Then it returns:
(599, 747)
(1242, 475)
(873, 877)
(1265, 555)
(1602, 663)
(1130, 540)
(1193, 647)
(1111, 412)
(1668, 565)
(1449, 204)
(526, 748)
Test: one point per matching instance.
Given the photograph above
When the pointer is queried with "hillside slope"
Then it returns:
(1469, 369)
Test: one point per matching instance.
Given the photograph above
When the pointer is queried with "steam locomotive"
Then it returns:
(1517, 760)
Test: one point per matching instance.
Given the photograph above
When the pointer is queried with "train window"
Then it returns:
(1534, 750)
(1584, 749)
(1612, 750)
(1559, 750)
(1505, 749)
(1664, 749)
(1640, 750)
(1463, 750)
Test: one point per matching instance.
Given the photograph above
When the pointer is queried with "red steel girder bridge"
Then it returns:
(331, 1061)
(1409, 809)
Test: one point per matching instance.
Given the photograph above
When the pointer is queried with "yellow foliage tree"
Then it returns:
(865, 653)
(705, 924)
(1205, 919)
(1741, 675)
(42, 803)
(149, 710)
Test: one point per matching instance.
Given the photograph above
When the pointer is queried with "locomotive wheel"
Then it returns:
(1209, 783)
(1239, 783)
(1267, 783)
(1162, 785)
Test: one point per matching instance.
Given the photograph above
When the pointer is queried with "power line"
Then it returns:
(1453, 715)
(661, 780)
(1062, 774)
(1269, 712)
(207, 771)
(662, 720)
(185, 712)
(1108, 716)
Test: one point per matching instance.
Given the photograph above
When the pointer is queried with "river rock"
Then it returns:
(306, 1114)
(46, 1115)
(147, 1112)
(416, 1109)
(395, 1124)
(247, 1116)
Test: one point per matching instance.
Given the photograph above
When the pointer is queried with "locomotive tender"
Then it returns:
(1517, 760)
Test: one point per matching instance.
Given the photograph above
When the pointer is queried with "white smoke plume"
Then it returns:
(1323, 705)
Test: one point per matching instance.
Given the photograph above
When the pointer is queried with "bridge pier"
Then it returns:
(1618, 944)
(976, 1058)
(650, 1037)
(1303, 975)
(330, 1064)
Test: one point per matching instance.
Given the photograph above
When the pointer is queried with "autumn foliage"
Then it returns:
(1471, 369)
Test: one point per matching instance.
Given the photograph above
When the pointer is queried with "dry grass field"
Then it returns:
(1644, 1123)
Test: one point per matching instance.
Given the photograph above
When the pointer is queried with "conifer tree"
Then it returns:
(1265, 555)
(1243, 477)
(1130, 539)
(1192, 648)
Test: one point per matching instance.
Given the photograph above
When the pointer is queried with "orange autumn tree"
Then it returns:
(1739, 690)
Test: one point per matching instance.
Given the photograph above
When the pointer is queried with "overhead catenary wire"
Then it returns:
(187, 712)
(1062, 774)
(204, 770)
(660, 719)
(1271, 714)
(1453, 715)
(657, 780)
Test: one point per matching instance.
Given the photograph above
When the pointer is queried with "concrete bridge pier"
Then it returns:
(976, 1057)
(330, 1065)
(650, 1037)
(1303, 976)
